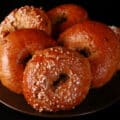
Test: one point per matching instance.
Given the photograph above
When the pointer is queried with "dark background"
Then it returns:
(112, 112)
(106, 11)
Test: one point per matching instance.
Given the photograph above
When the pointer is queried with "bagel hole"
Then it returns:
(85, 52)
(60, 19)
(57, 23)
(62, 78)
(25, 59)
(61, 44)
(5, 33)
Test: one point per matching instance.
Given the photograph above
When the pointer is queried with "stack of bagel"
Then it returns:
(55, 57)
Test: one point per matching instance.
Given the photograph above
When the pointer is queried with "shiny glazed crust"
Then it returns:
(16, 51)
(100, 44)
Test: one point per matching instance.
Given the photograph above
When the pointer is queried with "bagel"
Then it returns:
(99, 44)
(66, 15)
(56, 79)
(15, 50)
(25, 17)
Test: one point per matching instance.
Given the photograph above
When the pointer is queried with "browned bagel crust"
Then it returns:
(66, 15)
(15, 50)
(100, 45)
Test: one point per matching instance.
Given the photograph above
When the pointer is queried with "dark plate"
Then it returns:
(97, 99)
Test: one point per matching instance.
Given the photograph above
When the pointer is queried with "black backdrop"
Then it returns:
(106, 11)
